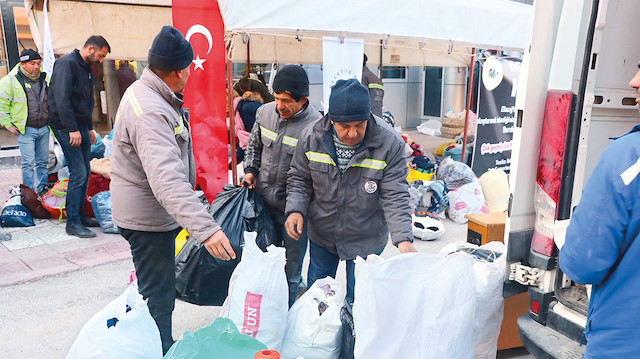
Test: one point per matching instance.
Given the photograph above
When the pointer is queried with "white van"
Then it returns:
(573, 95)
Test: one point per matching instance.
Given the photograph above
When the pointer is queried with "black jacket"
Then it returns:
(71, 93)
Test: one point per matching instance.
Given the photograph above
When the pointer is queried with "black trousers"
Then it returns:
(153, 257)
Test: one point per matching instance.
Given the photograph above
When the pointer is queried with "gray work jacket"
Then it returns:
(270, 148)
(351, 214)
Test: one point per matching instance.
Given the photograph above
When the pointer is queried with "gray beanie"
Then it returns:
(170, 50)
(349, 102)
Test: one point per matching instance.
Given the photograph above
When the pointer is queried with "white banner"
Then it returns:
(341, 60)
(47, 46)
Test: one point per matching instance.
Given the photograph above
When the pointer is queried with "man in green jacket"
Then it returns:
(24, 113)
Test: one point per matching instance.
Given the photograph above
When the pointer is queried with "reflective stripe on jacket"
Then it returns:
(351, 214)
(152, 166)
(13, 100)
(376, 90)
(272, 146)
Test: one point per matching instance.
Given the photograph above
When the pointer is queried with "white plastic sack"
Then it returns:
(495, 187)
(415, 305)
(258, 298)
(489, 300)
(464, 200)
(310, 334)
(123, 329)
(430, 127)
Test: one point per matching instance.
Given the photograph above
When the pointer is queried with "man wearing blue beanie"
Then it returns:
(153, 176)
(348, 180)
(273, 139)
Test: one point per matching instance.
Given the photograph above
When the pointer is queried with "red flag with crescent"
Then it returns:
(204, 97)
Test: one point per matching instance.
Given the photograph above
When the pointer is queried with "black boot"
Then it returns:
(89, 222)
(79, 230)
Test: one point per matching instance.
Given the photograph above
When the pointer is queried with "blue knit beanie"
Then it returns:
(170, 50)
(349, 102)
(292, 79)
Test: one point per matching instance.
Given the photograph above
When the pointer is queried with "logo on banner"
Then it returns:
(342, 74)
(199, 29)
(492, 73)
(251, 323)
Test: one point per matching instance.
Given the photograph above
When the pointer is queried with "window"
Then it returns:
(432, 91)
(394, 72)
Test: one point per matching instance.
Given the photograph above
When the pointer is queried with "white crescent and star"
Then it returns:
(199, 29)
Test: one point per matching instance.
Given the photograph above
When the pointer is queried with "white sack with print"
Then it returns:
(258, 298)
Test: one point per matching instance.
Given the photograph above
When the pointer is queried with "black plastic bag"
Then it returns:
(348, 343)
(203, 279)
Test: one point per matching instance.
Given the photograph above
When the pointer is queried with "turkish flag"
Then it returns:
(204, 97)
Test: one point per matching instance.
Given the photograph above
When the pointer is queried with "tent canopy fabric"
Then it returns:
(411, 32)
(128, 25)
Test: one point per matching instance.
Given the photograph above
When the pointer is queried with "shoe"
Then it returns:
(89, 222)
(79, 230)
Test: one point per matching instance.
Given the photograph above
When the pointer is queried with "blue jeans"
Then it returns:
(295, 250)
(77, 159)
(323, 263)
(34, 150)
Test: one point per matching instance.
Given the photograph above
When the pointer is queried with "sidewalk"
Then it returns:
(31, 253)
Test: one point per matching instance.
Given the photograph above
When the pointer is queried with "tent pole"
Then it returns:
(232, 129)
(380, 66)
(468, 107)
(248, 57)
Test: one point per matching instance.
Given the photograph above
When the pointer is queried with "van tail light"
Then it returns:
(550, 161)
(535, 307)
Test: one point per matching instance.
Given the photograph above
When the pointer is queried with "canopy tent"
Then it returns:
(410, 33)
(128, 25)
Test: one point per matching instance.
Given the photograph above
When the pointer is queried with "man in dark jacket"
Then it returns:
(70, 109)
(348, 179)
(376, 89)
(268, 157)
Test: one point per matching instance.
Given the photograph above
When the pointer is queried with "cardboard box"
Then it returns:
(514, 307)
(485, 227)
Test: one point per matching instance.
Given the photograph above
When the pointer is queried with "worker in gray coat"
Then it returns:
(348, 179)
(273, 139)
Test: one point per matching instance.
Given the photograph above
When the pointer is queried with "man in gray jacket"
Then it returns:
(348, 179)
(268, 157)
(153, 176)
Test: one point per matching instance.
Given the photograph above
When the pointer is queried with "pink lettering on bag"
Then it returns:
(251, 322)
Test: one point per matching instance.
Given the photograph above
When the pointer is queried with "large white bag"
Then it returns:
(123, 329)
(258, 298)
(489, 301)
(415, 305)
(310, 334)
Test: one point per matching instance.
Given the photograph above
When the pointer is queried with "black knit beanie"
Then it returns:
(170, 50)
(349, 102)
(291, 79)
(28, 55)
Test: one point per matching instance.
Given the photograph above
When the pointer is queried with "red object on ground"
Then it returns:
(96, 184)
(267, 354)
(205, 95)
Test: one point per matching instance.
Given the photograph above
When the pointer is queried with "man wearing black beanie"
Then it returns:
(153, 176)
(268, 157)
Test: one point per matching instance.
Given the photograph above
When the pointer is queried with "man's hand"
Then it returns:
(406, 247)
(13, 129)
(293, 225)
(250, 179)
(218, 245)
(92, 134)
(75, 138)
